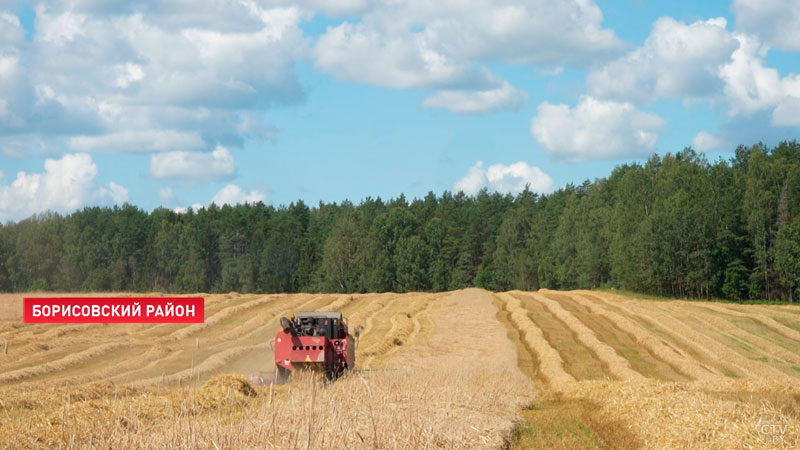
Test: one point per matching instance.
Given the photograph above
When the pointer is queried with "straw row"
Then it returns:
(213, 362)
(768, 321)
(664, 314)
(551, 366)
(404, 326)
(761, 343)
(677, 361)
(218, 317)
(617, 365)
(59, 364)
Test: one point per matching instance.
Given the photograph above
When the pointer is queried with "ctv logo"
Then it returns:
(772, 432)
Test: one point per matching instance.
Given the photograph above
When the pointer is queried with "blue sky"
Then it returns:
(104, 101)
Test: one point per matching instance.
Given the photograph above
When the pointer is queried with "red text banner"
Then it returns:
(113, 310)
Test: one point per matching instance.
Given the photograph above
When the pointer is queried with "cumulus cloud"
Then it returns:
(504, 179)
(184, 210)
(193, 166)
(787, 113)
(444, 45)
(65, 185)
(434, 40)
(751, 87)
(139, 141)
(504, 96)
(367, 54)
(776, 21)
(99, 74)
(232, 194)
(705, 141)
(595, 130)
(676, 61)
(701, 60)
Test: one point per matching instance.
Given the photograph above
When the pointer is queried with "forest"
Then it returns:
(677, 226)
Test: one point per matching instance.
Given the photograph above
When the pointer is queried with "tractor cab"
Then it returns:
(328, 324)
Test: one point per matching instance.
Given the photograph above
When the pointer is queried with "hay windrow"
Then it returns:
(207, 365)
(617, 365)
(453, 383)
(59, 364)
(700, 341)
(551, 366)
(768, 321)
(678, 361)
(761, 343)
(217, 318)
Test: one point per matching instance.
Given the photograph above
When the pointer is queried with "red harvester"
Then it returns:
(314, 340)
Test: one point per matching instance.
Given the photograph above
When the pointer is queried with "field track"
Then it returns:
(464, 369)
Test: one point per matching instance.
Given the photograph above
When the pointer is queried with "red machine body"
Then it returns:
(314, 340)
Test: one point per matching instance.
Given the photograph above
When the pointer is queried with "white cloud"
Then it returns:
(184, 210)
(254, 128)
(473, 181)
(676, 61)
(703, 60)
(776, 21)
(515, 177)
(337, 7)
(366, 54)
(115, 193)
(139, 141)
(595, 130)
(414, 44)
(99, 74)
(66, 185)
(232, 194)
(196, 166)
(705, 141)
(504, 179)
(478, 101)
(128, 74)
(19, 146)
(787, 113)
(749, 85)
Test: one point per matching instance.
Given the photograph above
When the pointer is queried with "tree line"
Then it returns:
(676, 225)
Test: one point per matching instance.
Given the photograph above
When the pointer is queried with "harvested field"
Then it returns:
(465, 369)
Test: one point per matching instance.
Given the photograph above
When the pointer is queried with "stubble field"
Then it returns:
(463, 369)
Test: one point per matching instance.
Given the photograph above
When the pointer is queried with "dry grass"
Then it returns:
(617, 365)
(217, 318)
(680, 362)
(683, 415)
(684, 326)
(768, 321)
(399, 406)
(404, 327)
(436, 371)
(551, 366)
(59, 364)
(764, 344)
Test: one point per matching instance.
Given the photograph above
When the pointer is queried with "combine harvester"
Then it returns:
(314, 340)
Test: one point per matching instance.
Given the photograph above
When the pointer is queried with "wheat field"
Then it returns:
(463, 369)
